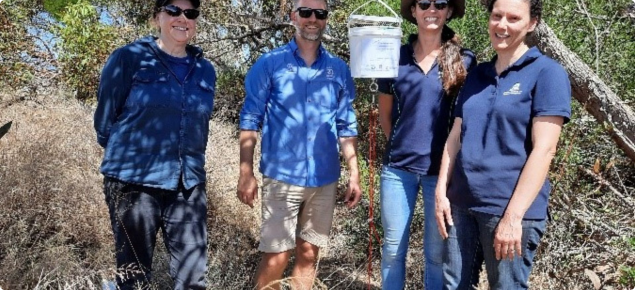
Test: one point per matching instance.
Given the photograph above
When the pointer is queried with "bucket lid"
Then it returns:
(375, 30)
(371, 18)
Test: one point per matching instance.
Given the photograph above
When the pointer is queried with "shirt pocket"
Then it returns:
(202, 97)
(326, 93)
(150, 88)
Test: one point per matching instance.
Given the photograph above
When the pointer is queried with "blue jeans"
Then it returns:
(471, 241)
(138, 212)
(399, 190)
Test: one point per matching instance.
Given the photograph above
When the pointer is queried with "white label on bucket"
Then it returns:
(375, 57)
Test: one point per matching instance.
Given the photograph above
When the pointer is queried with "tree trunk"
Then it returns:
(608, 109)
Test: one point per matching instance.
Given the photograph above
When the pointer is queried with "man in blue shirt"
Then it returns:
(301, 96)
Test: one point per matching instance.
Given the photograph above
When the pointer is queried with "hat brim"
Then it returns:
(458, 12)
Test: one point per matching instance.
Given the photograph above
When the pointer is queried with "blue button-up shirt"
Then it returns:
(302, 110)
(152, 125)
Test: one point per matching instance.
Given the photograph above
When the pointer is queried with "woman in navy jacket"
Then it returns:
(414, 111)
(155, 100)
(493, 190)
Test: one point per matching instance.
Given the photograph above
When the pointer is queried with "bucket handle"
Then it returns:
(380, 2)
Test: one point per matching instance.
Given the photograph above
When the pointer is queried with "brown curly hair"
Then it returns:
(453, 71)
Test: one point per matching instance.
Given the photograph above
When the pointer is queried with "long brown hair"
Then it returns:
(453, 71)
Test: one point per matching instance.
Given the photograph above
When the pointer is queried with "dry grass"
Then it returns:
(56, 234)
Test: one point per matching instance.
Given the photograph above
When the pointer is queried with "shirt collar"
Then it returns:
(151, 41)
(294, 48)
(528, 57)
(412, 39)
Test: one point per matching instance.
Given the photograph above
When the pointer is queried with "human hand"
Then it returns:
(507, 237)
(247, 190)
(353, 193)
(443, 213)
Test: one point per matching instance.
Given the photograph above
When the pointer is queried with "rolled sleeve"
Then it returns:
(346, 121)
(114, 87)
(257, 89)
(552, 95)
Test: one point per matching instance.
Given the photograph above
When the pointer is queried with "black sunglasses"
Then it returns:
(438, 4)
(305, 12)
(175, 11)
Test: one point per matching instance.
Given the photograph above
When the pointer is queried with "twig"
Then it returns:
(582, 6)
(606, 183)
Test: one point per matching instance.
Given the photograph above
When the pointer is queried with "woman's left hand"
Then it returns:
(507, 237)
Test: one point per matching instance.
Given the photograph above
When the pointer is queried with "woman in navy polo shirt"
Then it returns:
(414, 111)
(155, 100)
(493, 191)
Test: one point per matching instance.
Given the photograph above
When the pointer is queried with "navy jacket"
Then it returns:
(153, 126)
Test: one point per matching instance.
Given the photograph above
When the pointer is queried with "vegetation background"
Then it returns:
(54, 226)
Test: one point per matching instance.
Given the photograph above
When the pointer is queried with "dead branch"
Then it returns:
(606, 183)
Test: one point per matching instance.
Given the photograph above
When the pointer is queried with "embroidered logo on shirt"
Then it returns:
(290, 68)
(330, 74)
(515, 90)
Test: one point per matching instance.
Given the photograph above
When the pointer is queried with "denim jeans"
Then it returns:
(399, 191)
(471, 241)
(138, 212)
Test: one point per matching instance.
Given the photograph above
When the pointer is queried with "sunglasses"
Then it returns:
(438, 4)
(175, 11)
(305, 12)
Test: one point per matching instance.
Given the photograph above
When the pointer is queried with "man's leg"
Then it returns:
(270, 269)
(314, 224)
(304, 270)
(281, 204)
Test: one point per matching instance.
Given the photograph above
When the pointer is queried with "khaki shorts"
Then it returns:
(290, 211)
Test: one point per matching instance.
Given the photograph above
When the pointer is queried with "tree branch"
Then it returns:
(601, 102)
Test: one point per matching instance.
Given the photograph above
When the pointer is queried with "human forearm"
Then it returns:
(385, 113)
(348, 146)
(452, 146)
(531, 180)
(546, 131)
(349, 151)
(247, 146)
(442, 203)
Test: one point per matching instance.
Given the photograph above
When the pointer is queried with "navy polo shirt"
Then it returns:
(421, 114)
(497, 113)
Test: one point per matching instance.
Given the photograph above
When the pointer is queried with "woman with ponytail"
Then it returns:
(415, 114)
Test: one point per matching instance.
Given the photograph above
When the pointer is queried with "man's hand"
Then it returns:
(353, 193)
(247, 190)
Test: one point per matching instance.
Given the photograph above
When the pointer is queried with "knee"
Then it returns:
(392, 253)
(275, 260)
(306, 253)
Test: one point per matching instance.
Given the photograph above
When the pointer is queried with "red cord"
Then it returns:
(372, 230)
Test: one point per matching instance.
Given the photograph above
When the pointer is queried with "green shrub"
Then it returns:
(85, 43)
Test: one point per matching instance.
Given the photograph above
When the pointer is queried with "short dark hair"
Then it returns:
(296, 2)
(160, 3)
(535, 8)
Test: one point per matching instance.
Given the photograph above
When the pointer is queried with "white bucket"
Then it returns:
(374, 43)
(374, 51)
